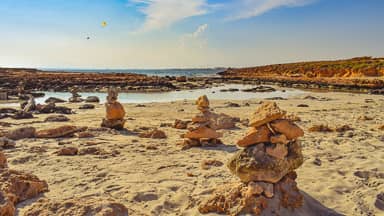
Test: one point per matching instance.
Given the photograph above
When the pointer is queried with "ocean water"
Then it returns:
(149, 72)
(213, 93)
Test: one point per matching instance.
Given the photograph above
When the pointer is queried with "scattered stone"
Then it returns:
(78, 206)
(115, 112)
(317, 162)
(182, 125)
(230, 104)
(260, 89)
(302, 105)
(63, 131)
(154, 134)
(85, 134)
(344, 128)
(288, 128)
(57, 118)
(207, 164)
(54, 100)
(255, 136)
(67, 151)
(21, 133)
(22, 115)
(6, 143)
(320, 128)
(92, 99)
(3, 162)
(379, 203)
(92, 151)
(365, 118)
(76, 98)
(87, 106)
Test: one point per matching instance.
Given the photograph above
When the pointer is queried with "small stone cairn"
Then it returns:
(76, 97)
(115, 112)
(265, 168)
(203, 130)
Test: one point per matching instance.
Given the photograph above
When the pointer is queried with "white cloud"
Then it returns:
(163, 13)
(251, 8)
(195, 39)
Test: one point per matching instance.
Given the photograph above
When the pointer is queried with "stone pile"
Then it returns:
(76, 97)
(265, 168)
(115, 112)
(203, 130)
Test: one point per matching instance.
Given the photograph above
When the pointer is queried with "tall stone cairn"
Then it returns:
(265, 167)
(115, 112)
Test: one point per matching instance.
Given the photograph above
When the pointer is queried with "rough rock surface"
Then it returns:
(255, 136)
(288, 128)
(63, 131)
(267, 112)
(21, 133)
(203, 132)
(85, 206)
(252, 164)
(57, 118)
(6, 143)
(154, 134)
(67, 151)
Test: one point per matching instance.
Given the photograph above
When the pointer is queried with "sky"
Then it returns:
(147, 34)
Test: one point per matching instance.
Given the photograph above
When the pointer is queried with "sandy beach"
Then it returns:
(342, 170)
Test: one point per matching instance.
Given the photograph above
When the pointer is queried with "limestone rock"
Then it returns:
(154, 134)
(21, 133)
(78, 206)
(249, 166)
(280, 151)
(115, 111)
(203, 132)
(255, 136)
(57, 118)
(267, 112)
(63, 131)
(288, 128)
(67, 151)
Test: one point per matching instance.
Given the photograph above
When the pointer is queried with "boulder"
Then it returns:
(63, 131)
(203, 132)
(115, 111)
(78, 206)
(252, 164)
(288, 128)
(54, 100)
(255, 136)
(267, 112)
(57, 118)
(87, 106)
(21, 133)
(92, 99)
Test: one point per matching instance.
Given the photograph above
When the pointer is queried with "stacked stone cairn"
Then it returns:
(115, 112)
(265, 168)
(203, 129)
(76, 97)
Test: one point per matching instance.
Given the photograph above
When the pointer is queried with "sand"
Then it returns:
(156, 177)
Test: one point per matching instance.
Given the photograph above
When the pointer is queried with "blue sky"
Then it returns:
(186, 33)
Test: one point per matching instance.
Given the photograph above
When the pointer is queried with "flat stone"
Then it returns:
(288, 128)
(202, 132)
(267, 112)
(255, 136)
(249, 166)
(279, 139)
(63, 131)
(21, 133)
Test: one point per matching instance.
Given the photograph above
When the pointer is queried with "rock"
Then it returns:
(78, 206)
(7, 207)
(260, 89)
(54, 100)
(113, 124)
(344, 128)
(22, 115)
(63, 131)
(87, 106)
(365, 118)
(21, 186)
(85, 134)
(154, 134)
(67, 151)
(6, 143)
(250, 167)
(179, 124)
(3, 161)
(279, 139)
(224, 121)
(288, 128)
(381, 127)
(320, 128)
(254, 188)
(317, 162)
(267, 112)
(233, 105)
(280, 151)
(379, 203)
(115, 111)
(8, 110)
(203, 132)
(181, 79)
(255, 136)
(202, 103)
(75, 100)
(207, 164)
(49, 108)
(57, 118)
(21, 133)
(92, 151)
(92, 99)
(302, 105)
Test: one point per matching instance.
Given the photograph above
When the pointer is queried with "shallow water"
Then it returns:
(212, 93)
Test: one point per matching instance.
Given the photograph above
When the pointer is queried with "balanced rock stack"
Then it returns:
(265, 167)
(115, 112)
(76, 97)
(203, 131)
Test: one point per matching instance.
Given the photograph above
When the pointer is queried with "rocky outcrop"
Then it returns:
(115, 112)
(78, 206)
(266, 168)
(63, 131)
